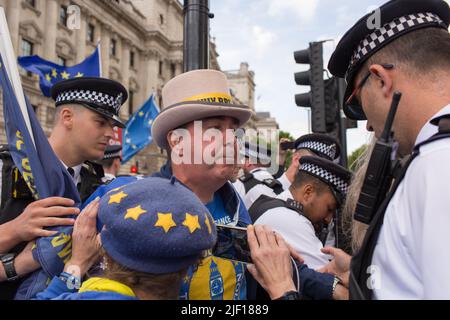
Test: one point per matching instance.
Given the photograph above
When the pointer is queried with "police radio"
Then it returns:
(378, 179)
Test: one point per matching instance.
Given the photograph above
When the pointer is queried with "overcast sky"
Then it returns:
(265, 33)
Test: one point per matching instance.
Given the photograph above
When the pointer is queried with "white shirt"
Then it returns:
(297, 230)
(284, 181)
(76, 176)
(331, 237)
(411, 259)
(108, 177)
(254, 193)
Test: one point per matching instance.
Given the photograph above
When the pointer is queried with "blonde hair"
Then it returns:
(353, 229)
(160, 286)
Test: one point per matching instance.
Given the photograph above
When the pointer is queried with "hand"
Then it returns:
(85, 241)
(340, 293)
(23, 263)
(40, 214)
(339, 266)
(272, 266)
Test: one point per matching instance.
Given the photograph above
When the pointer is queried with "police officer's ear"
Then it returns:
(383, 79)
(65, 116)
(308, 192)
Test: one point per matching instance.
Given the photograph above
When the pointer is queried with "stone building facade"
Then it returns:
(141, 45)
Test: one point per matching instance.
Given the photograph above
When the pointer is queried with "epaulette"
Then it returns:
(246, 177)
(94, 168)
(294, 205)
(272, 183)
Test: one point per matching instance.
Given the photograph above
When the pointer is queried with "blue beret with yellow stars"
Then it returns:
(155, 225)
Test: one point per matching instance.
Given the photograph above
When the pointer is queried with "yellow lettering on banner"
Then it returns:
(19, 141)
(60, 240)
(28, 177)
(211, 97)
(66, 252)
(19, 144)
(26, 164)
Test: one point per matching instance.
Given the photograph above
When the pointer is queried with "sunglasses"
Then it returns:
(351, 99)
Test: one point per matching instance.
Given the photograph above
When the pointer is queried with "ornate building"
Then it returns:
(141, 46)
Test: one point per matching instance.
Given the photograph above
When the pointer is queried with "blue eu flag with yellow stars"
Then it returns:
(44, 174)
(51, 73)
(138, 132)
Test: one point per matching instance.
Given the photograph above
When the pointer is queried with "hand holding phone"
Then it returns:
(232, 244)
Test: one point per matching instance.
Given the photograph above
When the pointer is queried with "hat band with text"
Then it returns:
(215, 97)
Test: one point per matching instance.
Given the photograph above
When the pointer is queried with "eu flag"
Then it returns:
(138, 132)
(50, 73)
(44, 174)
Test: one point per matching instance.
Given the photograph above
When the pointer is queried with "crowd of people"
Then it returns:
(154, 237)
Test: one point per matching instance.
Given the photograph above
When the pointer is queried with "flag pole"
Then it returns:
(100, 57)
(10, 64)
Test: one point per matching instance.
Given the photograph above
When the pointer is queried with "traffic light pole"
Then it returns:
(342, 123)
(196, 34)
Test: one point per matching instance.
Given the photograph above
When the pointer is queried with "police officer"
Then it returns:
(314, 144)
(111, 162)
(316, 194)
(257, 179)
(404, 46)
(87, 109)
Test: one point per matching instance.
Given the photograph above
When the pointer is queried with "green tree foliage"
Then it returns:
(355, 155)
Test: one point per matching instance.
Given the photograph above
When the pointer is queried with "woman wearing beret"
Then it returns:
(146, 244)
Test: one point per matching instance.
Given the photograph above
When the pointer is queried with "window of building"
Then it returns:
(132, 59)
(27, 50)
(160, 68)
(113, 47)
(62, 61)
(90, 32)
(63, 15)
(31, 3)
(130, 102)
(172, 70)
(161, 19)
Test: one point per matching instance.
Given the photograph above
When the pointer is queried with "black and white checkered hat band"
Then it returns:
(326, 175)
(389, 30)
(252, 153)
(111, 155)
(326, 149)
(96, 97)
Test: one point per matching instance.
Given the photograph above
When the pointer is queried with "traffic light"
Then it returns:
(332, 111)
(315, 99)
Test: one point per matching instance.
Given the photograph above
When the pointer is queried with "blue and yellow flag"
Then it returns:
(45, 176)
(138, 132)
(51, 73)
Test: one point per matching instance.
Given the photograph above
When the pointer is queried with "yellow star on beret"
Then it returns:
(191, 222)
(165, 221)
(117, 198)
(134, 213)
(208, 224)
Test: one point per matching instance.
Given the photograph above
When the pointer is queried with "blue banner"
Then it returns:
(45, 176)
(51, 73)
(138, 132)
